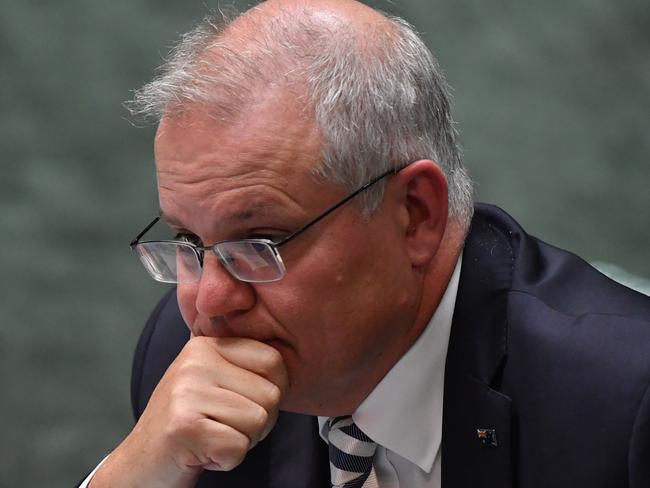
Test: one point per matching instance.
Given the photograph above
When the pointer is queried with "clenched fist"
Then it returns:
(217, 400)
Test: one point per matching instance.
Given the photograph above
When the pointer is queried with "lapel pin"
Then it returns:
(487, 437)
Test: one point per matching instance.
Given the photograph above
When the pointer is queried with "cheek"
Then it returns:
(340, 289)
(329, 293)
(186, 296)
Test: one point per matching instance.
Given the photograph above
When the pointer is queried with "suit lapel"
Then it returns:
(477, 432)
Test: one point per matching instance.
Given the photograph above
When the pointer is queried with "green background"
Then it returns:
(552, 99)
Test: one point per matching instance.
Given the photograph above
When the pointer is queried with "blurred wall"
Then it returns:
(552, 99)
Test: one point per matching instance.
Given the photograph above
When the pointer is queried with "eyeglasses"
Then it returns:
(249, 260)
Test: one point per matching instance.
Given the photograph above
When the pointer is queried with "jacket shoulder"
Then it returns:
(576, 367)
(557, 277)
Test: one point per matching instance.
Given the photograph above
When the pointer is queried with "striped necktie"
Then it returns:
(351, 452)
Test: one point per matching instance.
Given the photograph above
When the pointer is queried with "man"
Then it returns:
(307, 161)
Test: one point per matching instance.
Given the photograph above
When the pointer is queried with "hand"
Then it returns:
(216, 401)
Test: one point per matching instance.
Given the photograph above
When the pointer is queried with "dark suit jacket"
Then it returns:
(549, 353)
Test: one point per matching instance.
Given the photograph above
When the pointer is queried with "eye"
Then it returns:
(190, 238)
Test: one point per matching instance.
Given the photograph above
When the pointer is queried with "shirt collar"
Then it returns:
(404, 411)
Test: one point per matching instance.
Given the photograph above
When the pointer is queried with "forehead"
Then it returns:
(274, 128)
(263, 159)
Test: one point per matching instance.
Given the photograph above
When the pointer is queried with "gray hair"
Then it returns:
(379, 98)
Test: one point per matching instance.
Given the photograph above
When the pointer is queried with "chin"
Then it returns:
(299, 405)
(310, 400)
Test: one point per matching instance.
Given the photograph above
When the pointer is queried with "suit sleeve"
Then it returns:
(163, 337)
(639, 461)
(141, 350)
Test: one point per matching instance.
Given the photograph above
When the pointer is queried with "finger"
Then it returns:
(255, 388)
(232, 409)
(253, 356)
(201, 360)
(217, 446)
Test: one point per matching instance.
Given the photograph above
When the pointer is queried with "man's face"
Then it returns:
(347, 300)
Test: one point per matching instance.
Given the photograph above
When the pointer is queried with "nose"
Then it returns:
(218, 293)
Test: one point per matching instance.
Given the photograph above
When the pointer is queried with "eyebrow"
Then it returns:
(256, 210)
(168, 219)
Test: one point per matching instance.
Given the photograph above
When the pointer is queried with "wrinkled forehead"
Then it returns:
(266, 155)
(193, 143)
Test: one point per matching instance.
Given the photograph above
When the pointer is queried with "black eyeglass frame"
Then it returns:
(273, 245)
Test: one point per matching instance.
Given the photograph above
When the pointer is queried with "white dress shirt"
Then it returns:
(90, 476)
(403, 414)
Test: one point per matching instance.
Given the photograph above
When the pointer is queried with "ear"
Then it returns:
(421, 191)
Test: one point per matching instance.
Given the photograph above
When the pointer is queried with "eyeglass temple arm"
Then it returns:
(146, 229)
(341, 203)
(304, 227)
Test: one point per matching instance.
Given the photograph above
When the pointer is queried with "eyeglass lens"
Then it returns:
(170, 262)
(253, 261)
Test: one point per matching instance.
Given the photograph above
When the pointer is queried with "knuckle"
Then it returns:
(179, 391)
(179, 398)
(197, 349)
(230, 463)
(179, 426)
(242, 444)
(270, 360)
(274, 395)
(191, 348)
(186, 367)
(260, 418)
(239, 446)
(180, 422)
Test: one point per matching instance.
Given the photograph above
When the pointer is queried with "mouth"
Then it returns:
(274, 343)
(222, 330)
